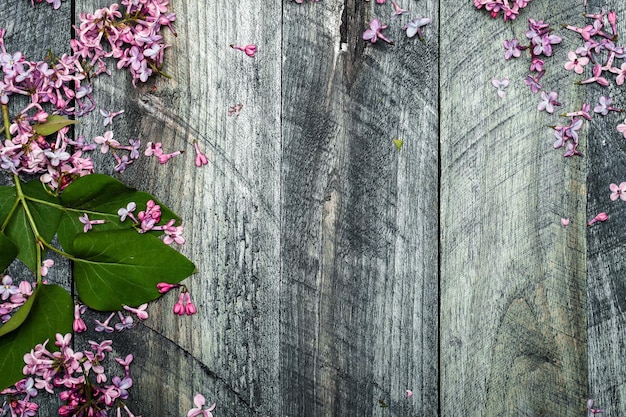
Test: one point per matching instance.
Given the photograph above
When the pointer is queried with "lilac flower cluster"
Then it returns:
(541, 40)
(79, 376)
(12, 297)
(132, 39)
(509, 9)
(57, 80)
(147, 220)
(599, 48)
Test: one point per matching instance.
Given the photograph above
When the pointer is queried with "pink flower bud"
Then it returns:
(599, 218)
(612, 17)
(179, 307)
(190, 308)
(164, 287)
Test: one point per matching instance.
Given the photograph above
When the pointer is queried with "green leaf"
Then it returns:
(123, 267)
(20, 315)
(45, 216)
(398, 143)
(8, 196)
(8, 251)
(51, 313)
(54, 123)
(104, 195)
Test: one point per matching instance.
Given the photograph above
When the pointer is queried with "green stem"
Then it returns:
(7, 121)
(59, 251)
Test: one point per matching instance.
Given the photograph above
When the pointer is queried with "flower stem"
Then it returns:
(7, 121)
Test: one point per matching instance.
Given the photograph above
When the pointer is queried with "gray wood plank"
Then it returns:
(229, 350)
(512, 278)
(359, 224)
(605, 246)
(32, 31)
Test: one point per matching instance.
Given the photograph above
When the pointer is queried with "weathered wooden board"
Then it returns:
(512, 278)
(231, 207)
(606, 252)
(359, 223)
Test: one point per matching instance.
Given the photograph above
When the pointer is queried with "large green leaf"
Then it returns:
(45, 216)
(8, 196)
(103, 195)
(8, 251)
(123, 267)
(54, 123)
(51, 313)
(20, 315)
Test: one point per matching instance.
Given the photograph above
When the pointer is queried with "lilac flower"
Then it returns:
(512, 49)
(618, 191)
(79, 325)
(548, 101)
(604, 106)
(140, 311)
(127, 211)
(109, 115)
(84, 219)
(375, 31)
(7, 288)
(398, 11)
(414, 27)
(249, 50)
(198, 410)
(126, 322)
(104, 326)
(584, 112)
(201, 158)
(590, 402)
(576, 63)
(533, 82)
(621, 74)
(501, 85)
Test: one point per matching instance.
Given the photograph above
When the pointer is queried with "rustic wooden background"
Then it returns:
(336, 272)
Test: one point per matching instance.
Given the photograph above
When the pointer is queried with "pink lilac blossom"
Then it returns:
(576, 63)
(415, 27)
(593, 411)
(249, 50)
(79, 375)
(512, 49)
(509, 9)
(618, 191)
(375, 32)
(201, 158)
(604, 106)
(397, 10)
(132, 38)
(600, 217)
(548, 101)
(199, 401)
(501, 85)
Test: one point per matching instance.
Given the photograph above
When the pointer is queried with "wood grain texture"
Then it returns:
(229, 350)
(24, 33)
(512, 278)
(606, 163)
(359, 234)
